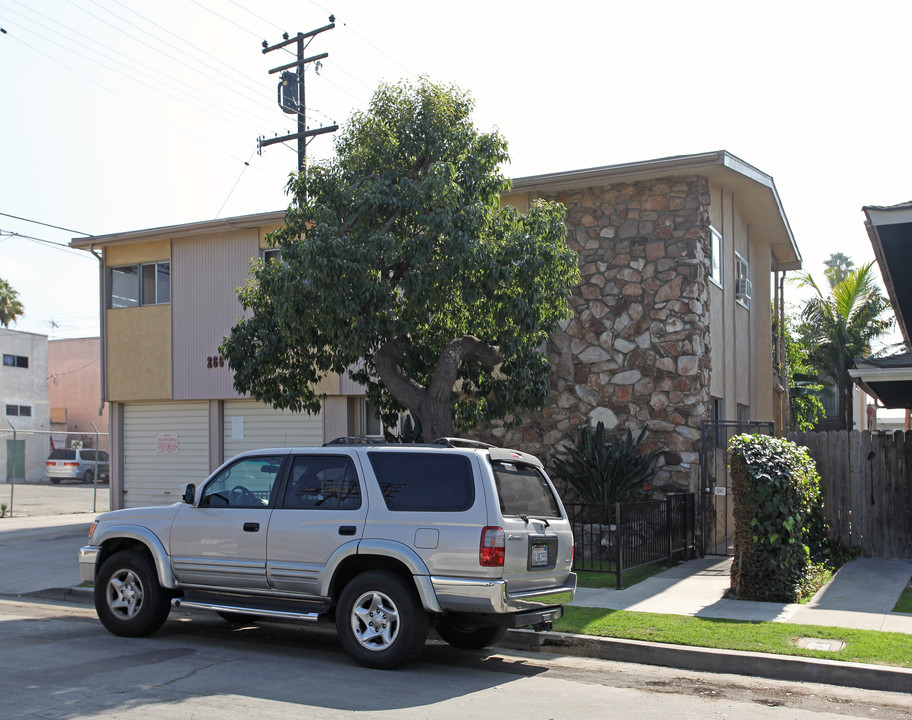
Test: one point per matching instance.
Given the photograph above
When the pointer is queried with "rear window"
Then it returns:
(523, 490)
(62, 455)
(424, 482)
(90, 455)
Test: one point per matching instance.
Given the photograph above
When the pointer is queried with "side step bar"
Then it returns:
(282, 614)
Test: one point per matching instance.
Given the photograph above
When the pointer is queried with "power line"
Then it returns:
(57, 245)
(123, 98)
(243, 170)
(166, 55)
(38, 222)
(107, 66)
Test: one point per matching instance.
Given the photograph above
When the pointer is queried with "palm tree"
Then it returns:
(10, 307)
(839, 327)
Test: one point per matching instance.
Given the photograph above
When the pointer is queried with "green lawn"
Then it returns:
(863, 646)
(905, 601)
(591, 579)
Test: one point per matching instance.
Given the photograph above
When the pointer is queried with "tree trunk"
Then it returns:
(433, 405)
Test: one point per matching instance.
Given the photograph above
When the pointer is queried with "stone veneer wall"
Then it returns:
(636, 351)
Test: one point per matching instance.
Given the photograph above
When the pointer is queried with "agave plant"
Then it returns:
(607, 469)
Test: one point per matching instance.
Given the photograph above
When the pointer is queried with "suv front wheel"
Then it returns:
(380, 620)
(128, 599)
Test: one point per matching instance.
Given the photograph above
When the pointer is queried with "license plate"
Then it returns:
(539, 555)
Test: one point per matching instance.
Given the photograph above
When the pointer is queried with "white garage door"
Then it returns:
(165, 446)
(250, 425)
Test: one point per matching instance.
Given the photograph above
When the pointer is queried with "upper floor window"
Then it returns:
(134, 285)
(15, 361)
(742, 281)
(270, 254)
(19, 410)
(716, 255)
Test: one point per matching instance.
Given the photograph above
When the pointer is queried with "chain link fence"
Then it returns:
(54, 473)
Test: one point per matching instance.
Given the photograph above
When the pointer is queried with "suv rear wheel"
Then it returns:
(380, 620)
(89, 477)
(128, 599)
(469, 637)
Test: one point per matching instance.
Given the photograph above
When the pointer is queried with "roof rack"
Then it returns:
(454, 442)
(353, 440)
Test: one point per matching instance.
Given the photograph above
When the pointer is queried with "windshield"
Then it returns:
(523, 490)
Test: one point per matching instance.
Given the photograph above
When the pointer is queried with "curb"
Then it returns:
(732, 662)
(683, 657)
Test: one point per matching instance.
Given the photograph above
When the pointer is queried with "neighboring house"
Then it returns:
(24, 400)
(74, 392)
(682, 261)
(889, 379)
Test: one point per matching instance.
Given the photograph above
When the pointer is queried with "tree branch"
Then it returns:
(467, 346)
(400, 385)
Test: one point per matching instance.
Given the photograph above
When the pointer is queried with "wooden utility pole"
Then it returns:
(291, 90)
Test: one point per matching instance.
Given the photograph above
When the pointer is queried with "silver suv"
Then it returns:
(386, 540)
(84, 465)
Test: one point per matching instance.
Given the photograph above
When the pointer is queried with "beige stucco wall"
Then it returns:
(150, 251)
(138, 339)
(139, 353)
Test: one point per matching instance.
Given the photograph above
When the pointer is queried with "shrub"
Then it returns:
(780, 536)
(604, 470)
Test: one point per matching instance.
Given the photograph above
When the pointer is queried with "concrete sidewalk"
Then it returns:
(861, 595)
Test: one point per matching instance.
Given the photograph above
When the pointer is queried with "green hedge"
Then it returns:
(780, 536)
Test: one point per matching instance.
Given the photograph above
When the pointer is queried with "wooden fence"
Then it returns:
(867, 484)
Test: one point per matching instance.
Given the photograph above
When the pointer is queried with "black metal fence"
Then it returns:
(615, 538)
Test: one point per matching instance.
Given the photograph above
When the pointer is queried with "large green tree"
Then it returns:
(399, 264)
(840, 326)
(10, 306)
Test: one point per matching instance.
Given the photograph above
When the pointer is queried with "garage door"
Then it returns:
(250, 425)
(165, 446)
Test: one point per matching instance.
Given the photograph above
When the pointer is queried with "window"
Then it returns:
(742, 281)
(270, 254)
(716, 255)
(323, 482)
(156, 283)
(134, 285)
(743, 417)
(424, 482)
(248, 483)
(15, 361)
(522, 490)
(19, 410)
(123, 287)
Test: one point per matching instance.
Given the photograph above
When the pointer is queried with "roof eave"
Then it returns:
(241, 222)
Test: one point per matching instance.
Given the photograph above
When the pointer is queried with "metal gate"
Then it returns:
(717, 523)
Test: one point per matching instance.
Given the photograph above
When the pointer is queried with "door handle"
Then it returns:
(251, 527)
(347, 529)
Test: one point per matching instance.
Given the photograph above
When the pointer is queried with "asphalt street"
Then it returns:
(56, 661)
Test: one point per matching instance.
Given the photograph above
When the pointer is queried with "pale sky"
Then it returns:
(120, 115)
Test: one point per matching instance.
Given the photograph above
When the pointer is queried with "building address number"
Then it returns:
(215, 361)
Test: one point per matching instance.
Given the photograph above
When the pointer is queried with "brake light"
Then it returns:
(491, 553)
(71, 464)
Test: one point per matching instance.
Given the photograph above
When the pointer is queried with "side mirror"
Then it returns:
(188, 493)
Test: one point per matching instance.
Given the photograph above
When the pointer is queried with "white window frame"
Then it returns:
(715, 256)
(742, 281)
